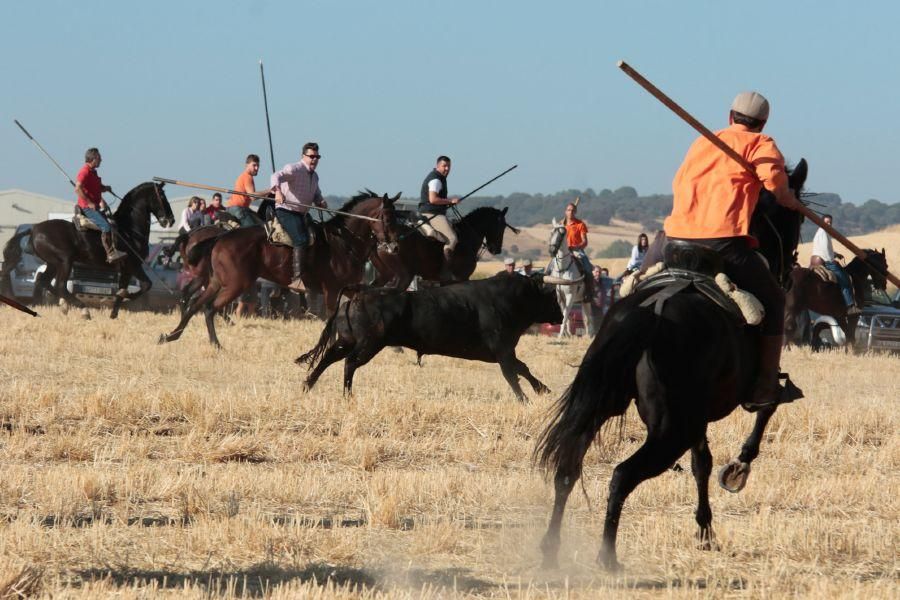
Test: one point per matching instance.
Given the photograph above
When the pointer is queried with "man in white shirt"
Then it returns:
(433, 205)
(823, 253)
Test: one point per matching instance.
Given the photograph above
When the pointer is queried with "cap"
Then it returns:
(526, 262)
(751, 104)
(509, 261)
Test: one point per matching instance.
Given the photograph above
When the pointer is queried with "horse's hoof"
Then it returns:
(162, 339)
(609, 562)
(733, 476)
(707, 542)
(543, 389)
(113, 315)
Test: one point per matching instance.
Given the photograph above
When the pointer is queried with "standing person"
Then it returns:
(823, 252)
(526, 267)
(638, 253)
(239, 204)
(192, 215)
(296, 188)
(88, 190)
(433, 205)
(509, 266)
(212, 211)
(576, 238)
(714, 200)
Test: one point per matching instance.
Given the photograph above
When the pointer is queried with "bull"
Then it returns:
(475, 320)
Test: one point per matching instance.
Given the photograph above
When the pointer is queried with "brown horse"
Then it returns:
(808, 291)
(419, 255)
(336, 259)
(59, 244)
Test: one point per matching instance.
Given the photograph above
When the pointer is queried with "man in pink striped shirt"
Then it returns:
(296, 188)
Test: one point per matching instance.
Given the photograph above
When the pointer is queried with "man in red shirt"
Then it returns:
(714, 200)
(88, 190)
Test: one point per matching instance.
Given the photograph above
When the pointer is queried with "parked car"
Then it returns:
(21, 278)
(878, 327)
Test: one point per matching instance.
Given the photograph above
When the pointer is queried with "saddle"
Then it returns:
(689, 266)
(81, 222)
(277, 236)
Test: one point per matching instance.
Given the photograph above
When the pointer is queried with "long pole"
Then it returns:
(213, 188)
(709, 135)
(17, 305)
(262, 76)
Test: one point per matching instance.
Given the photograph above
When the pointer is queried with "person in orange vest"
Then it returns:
(576, 238)
(714, 200)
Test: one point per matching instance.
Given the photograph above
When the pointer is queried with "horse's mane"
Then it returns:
(478, 212)
(360, 196)
(136, 190)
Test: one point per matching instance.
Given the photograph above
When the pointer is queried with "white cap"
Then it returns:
(751, 104)
(509, 261)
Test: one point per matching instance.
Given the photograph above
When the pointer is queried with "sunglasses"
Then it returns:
(313, 156)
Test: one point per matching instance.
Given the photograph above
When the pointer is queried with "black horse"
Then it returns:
(59, 244)
(420, 255)
(688, 366)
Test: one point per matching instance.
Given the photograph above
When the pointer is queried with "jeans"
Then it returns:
(294, 224)
(97, 219)
(843, 281)
(245, 215)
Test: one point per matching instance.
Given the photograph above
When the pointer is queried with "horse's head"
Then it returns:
(493, 238)
(877, 268)
(778, 228)
(386, 230)
(557, 236)
(160, 207)
(380, 221)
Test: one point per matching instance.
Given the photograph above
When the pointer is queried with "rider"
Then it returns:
(239, 204)
(714, 199)
(822, 252)
(576, 238)
(433, 204)
(88, 187)
(296, 188)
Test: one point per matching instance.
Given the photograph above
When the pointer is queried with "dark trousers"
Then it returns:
(294, 224)
(749, 272)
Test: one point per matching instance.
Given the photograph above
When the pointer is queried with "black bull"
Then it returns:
(476, 320)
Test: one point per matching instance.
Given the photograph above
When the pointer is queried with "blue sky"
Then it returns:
(172, 89)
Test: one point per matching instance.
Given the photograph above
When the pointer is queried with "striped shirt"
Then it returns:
(299, 186)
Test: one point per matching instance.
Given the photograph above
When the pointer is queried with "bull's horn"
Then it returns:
(560, 281)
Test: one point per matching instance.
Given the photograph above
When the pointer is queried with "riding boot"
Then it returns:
(109, 244)
(768, 391)
(297, 280)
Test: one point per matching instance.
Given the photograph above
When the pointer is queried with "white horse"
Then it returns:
(563, 265)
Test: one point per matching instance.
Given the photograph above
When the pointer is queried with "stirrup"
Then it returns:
(115, 256)
(296, 285)
(784, 393)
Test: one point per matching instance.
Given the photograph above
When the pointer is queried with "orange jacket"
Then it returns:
(576, 233)
(714, 196)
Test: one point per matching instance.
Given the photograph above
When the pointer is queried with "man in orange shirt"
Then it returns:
(576, 238)
(239, 204)
(714, 200)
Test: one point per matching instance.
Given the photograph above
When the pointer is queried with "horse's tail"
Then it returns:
(12, 254)
(315, 354)
(600, 391)
(201, 250)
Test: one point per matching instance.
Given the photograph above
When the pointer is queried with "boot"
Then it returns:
(853, 310)
(768, 391)
(109, 244)
(297, 281)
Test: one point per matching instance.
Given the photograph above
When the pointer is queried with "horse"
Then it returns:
(807, 291)
(335, 260)
(687, 362)
(59, 244)
(563, 265)
(417, 254)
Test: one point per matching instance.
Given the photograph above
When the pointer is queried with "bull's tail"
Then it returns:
(200, 250)
(12, 254)
(312, 357)
(601, 389)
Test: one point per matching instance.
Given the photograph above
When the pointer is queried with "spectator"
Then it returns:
(526, 268)
(212, 211)
(509, 266)
(192, 215)
(638, 252)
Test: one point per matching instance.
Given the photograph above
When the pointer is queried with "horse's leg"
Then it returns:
(659, 452)
(563, 483)
(563, 301)
(68, 299)
(536, 384)
(588, 319)
(41, 283)
(223, 298)
(208, 294)
(187, 293)
(701, 467)
(510, 370)
(733, 476)
(339, 351)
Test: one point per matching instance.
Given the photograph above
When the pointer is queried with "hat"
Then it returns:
(751, 104)
(509, 261)
(526, 262)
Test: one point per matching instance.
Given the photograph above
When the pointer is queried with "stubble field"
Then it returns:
(135, 470)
